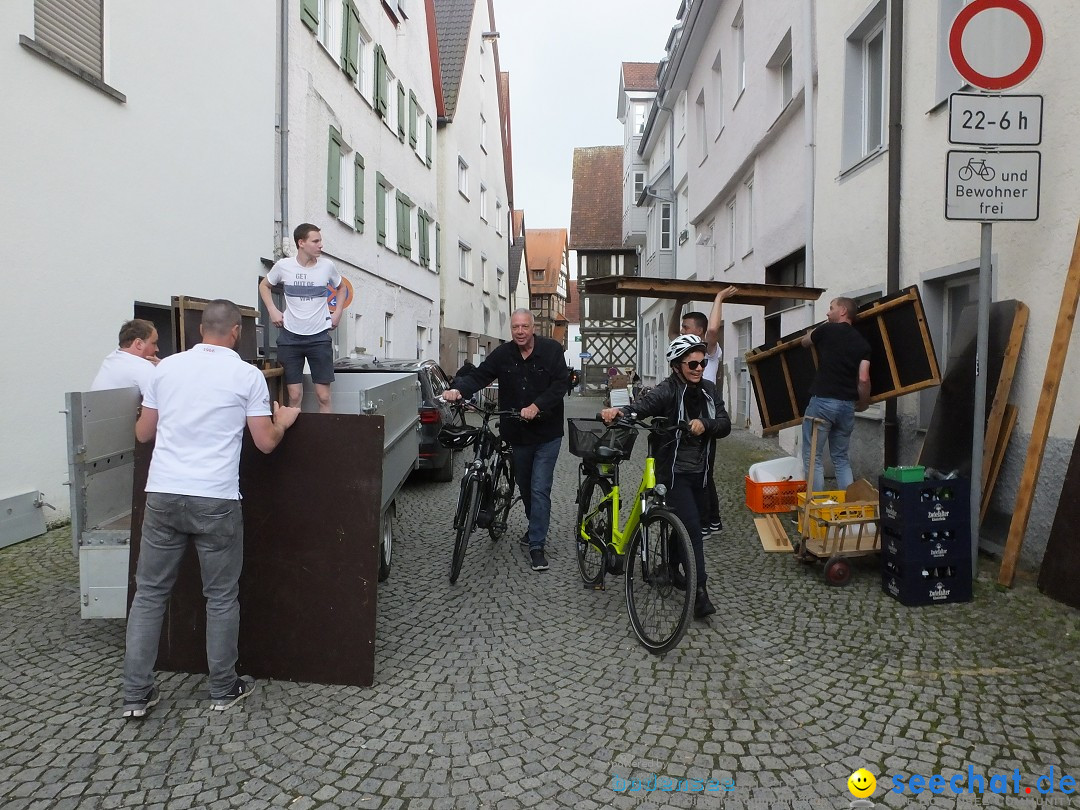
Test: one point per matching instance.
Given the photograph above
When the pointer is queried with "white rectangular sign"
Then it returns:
(992, 186)
(981, 120)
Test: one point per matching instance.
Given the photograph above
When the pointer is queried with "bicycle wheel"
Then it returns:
(594, 524)
(659, 609)
(470, 505)
(502, 496)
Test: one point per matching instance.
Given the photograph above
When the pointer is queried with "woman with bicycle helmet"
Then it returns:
(682, 461)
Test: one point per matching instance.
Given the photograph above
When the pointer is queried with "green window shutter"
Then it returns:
(358, 178)
(333, 173)
(401, 226)
(427, 142)
(412, 119)
(350, 43)
(380, 209)
(422, 234)
(401, 112)
(309, 14)
(380, 81)
(438, 247)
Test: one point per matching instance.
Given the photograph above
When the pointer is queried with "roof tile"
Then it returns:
(596, 213)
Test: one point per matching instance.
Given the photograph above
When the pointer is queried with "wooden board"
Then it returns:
(311, 557)
(188, 315)
(1044, 413)
(902, 360)
(772, 535)
(643, 287)
(997, 415)
(997, 455)
(1060, 569)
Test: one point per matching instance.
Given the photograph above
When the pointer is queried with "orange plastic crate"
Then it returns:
(773, 496)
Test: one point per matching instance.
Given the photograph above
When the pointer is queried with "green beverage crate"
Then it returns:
(905, 474)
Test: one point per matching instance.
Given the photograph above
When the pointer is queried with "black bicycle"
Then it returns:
(487, 487)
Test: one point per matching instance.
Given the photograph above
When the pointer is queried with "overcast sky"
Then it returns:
(563, 57)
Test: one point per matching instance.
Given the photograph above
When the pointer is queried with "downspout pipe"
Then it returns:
(808, 134)
(892, 276)
(283, 127)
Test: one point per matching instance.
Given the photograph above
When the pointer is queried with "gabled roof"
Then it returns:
(639, 75)
(546, 250)
(453, 21)
(596, 213)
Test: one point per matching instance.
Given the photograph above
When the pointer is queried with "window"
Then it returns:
(864, 88)
(429, 138)
(388, 334)
(718, 92)
(71, 35)
(380, 82)
(364, 64)
(464, 262)
(731, 231)
(538, 275)
(330, 21)
(639, 117)
(787, 78)
(462, 349)
(788, 272)
(463, 177)
(484, 281)
(414, 117)
(739, 34)
(665, 226)
(702, 125)
(401, 115)
(404, 225)
(498, 217)
(744, 334)
(334, 156)
(483, 202)
(639, 184)
(500, 281)
(780, 76)
(483, 132)
(421, 340)
(948, 80)
(350, 43)
(749, 214)
(393, 111)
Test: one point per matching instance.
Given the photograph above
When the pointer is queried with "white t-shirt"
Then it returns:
(714, 364)
(203, 398)
(306, 312)
(122, 369)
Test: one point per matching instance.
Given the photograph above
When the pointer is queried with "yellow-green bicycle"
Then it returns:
(652, 550)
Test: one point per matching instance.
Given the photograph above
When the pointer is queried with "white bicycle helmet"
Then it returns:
(682, 346)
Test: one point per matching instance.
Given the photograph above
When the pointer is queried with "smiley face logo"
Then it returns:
(862, 784)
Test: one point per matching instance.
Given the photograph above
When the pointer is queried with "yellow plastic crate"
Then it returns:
(830, 505)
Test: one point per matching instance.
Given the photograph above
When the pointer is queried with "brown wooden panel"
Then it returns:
(188, 315)
(1060, 569)
(902, 359)
(696, 290)
(311, 534)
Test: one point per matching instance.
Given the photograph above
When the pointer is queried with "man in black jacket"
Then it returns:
(532, 377)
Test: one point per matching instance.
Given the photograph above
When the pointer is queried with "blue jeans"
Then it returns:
(534, 469)
(216, 527)
(839, 415)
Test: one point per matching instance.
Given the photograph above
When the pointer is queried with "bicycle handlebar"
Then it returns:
(625, 420)
(488, 413)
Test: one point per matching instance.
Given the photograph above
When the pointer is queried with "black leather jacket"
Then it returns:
(666, 400)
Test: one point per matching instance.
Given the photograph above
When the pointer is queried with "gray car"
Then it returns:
(433, 413)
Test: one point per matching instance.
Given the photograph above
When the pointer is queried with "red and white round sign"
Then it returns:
(996, 44)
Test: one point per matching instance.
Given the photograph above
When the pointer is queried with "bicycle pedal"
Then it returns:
(599, 587)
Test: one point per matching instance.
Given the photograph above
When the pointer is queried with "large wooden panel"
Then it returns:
(187, 314)
(1061, 563)
(311, 536)
(902, 360)
(673, 288)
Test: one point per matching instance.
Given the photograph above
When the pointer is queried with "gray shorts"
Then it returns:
(318, 350)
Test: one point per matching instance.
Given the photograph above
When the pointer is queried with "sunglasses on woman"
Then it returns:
(694, 365)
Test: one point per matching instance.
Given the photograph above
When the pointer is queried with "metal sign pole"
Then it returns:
(979, 427)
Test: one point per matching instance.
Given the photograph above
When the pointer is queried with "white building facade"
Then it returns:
(137, 167)
(361, 157)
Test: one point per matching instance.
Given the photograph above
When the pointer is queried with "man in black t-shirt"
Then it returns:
(841, 387)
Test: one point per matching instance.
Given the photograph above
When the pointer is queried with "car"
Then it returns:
(433, 412)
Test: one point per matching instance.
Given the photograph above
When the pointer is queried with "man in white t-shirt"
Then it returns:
(307, 320)
(708, 329)
(132, 364)
(195, 409)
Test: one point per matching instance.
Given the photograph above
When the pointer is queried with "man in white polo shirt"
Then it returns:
(132, 364)
(708, 329)
(196, 407)
(307, 320)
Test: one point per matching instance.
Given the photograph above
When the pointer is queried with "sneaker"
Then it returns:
(524, 539)
(714, 527)
(243, 687)
(539, 561)
(137, 709)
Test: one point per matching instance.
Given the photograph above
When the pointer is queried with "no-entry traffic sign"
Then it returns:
(985, 48)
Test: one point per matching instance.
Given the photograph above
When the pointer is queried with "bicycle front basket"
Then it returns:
(458, 437)
(588, 436)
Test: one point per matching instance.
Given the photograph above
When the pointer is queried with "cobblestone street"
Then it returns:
(521, 689)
